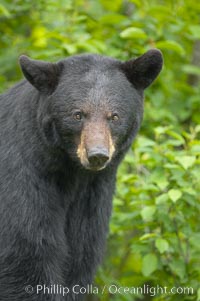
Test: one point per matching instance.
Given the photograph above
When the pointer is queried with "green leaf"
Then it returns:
(178, 267)
(186, 161)
(161, 129)
(161, 199)
(171, 45)
(190, 191)
(174, 194)
(4, 11)
(197, 128)
(143, 142)
(147, 236)
(176, 136)
(159, 178)
(162, 245)
(111, 5)
(191, 69)
(112, 19)
(162, 184)
(195, 31)
(160, 11)
(133, 32)
(136, 2)
(148, 212)
(149, 264)
(198, 294)
(195, 241)
(70, 48)
(171, 166)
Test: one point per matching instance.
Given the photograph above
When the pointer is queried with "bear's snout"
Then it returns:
(98, 157)
(96, 146)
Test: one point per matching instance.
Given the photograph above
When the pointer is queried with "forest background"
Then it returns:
(154, 236)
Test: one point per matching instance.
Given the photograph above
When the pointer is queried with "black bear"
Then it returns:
(63, 132)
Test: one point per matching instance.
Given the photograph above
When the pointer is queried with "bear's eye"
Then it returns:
(114, 117)
(77, 115)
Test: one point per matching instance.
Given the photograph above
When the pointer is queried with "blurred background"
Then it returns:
(154, 235)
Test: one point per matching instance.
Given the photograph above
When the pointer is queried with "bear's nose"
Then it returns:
(98, 157)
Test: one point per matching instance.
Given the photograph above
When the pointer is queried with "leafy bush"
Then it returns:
(154, 238)
(155, 229)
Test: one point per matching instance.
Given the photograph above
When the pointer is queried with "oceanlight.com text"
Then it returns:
(56, 289)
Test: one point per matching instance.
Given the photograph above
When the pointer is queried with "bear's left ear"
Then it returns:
(142, 71)
(42, 75)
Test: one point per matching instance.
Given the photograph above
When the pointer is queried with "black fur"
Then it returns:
(54, 213)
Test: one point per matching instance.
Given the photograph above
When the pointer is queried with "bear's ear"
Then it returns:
(142, 71)
(42, 75)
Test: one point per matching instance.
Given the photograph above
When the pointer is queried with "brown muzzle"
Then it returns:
(96, 146)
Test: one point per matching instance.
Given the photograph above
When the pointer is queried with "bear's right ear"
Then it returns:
(142, 71)
(42, 75)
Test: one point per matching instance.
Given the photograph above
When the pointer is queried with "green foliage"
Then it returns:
(155, 231)
(155, 221)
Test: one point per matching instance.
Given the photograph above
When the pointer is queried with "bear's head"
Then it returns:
(91, 106)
